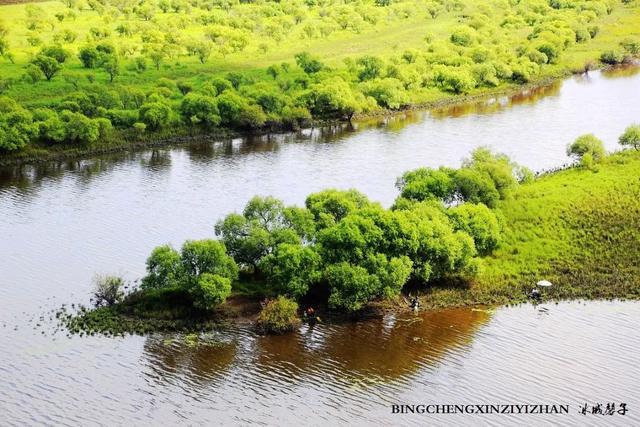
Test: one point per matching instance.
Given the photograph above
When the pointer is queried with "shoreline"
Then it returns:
(180, 136)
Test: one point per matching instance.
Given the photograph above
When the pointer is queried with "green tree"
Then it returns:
(630, 137)
(308, 63)
(207, 256)
(80, 128)
(47, 65)
(333, 98)
(479, 222)
(111, 65)
(292, 268)
(587, 149)
(331, 205)
(155, 115)
(426, 183)
(200, 109)
(210, 290)
(164, 268)
(16, 126)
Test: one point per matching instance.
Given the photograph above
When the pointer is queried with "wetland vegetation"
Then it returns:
(482, 234)
(89, 76)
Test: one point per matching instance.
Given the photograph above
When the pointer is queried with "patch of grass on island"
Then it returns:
(577, 228)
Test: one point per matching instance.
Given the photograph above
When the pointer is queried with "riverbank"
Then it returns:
(122, 141)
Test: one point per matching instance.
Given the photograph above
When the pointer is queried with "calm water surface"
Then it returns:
(63, 222)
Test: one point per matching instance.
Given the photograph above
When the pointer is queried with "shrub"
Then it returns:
(200, 109)
(308, 63)
(107, 290)
(292, 268)
(479, 222)
(279, 316)
(155, 115)
(210, 290)
(612, 57)
(207, 256)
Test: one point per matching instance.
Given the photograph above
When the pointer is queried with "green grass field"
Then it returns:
(577, 228)
(365, 57)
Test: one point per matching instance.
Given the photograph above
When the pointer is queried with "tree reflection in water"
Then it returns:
(378, 351)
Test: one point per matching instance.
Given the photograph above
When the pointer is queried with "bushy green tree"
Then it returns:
(333, 98)
(164, 268)
(331, 205)
(308, 63)
(80, 128)
(200, 109)
(16, 126)
(630, 137)
(426, 183)
(292, 268)
(155, 115)
(210, 290)
(479, 222)
(207, 256)
(588, 149)
(47, 65)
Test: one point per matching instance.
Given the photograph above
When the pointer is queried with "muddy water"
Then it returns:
(63, 222)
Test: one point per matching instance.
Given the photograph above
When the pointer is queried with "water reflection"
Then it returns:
(201, 360)
(494, 104)
(380, 351)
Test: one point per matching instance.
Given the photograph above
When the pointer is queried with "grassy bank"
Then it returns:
(96, 76)
(577, 228)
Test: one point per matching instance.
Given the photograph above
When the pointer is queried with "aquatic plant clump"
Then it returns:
(279, 316)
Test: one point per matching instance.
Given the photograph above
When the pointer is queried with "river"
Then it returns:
(62, 222)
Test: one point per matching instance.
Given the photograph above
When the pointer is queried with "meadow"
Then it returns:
(577, 228)
(82, 76)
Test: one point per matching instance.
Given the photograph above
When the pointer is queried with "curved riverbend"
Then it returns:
(113, 210)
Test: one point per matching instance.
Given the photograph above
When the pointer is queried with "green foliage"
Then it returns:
(308, 63)
(279, 316)
(207, 256)
(330, 206)
(292, 269)
(79, 128)
(358, 57)
(587, 149)
(16, 125)
(48, 66)
(612, 57)
(210, 290)
(630, 137)
(426, 183)
(479, 222)
(155, 115)
(257, 232)
(164, 268)
(200, 109)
